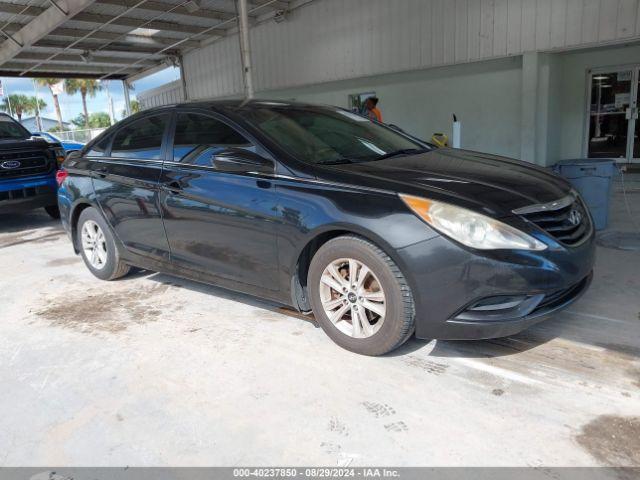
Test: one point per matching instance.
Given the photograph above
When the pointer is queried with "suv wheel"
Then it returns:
(360, 297)
(53, 211)
(97, 246)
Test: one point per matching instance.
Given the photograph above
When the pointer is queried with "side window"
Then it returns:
(140, 139)
(199, 137)
(98, 148)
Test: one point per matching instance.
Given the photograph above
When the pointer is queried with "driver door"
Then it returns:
(217, 222)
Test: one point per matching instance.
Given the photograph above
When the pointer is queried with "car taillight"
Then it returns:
(60, 176)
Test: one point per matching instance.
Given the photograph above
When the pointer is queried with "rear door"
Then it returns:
(126, 184)
(217, 222)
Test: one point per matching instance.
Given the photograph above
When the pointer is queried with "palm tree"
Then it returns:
(85, 87)
(37, 105)
(50, 82)
(135, 108)
(19, 104)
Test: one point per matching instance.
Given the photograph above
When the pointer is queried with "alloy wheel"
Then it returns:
(94, 244)
(352, 298)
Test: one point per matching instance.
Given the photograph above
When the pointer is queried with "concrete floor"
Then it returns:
(155, 370)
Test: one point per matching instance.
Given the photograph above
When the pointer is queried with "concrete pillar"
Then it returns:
(540, 112)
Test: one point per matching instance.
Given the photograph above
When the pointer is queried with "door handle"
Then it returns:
(173, 187)
(101, 171)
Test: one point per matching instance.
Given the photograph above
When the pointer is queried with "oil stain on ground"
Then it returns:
(61, 262)
(612, 440)
(99, 311)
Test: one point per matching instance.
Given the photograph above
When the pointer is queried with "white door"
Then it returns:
(612, 114)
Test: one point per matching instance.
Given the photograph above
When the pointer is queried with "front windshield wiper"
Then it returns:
(337, 161)
(404, 151)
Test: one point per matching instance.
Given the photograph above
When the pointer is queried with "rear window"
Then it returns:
(12, 130)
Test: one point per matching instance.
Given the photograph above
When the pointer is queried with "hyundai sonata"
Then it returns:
(376, 233)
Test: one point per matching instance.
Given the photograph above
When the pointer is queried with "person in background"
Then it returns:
(373, 112)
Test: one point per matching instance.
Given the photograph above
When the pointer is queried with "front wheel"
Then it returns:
(360, 297)
(97, 246)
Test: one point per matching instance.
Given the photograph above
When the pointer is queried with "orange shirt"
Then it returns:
(375, 114)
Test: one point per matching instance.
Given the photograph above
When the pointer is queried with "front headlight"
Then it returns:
(470, 228)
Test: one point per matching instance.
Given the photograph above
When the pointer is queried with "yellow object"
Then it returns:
(440, 139)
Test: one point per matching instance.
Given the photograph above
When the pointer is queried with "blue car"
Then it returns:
(68, 145)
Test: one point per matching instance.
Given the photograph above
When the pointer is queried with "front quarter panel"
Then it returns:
(310, 208)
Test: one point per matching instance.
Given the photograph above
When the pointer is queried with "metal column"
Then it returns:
(245, 48)
(127, 98)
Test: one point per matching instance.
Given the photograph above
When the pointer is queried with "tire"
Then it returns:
(53, 211)
(385, 298)
(107, 263)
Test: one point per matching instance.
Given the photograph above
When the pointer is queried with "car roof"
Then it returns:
(238, 105)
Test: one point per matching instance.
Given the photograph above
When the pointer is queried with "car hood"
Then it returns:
(31, 142)
(482, 182)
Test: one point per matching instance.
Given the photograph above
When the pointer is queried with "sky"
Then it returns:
(71, 105)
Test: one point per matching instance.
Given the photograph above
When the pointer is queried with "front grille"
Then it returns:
(566, 221)
(32, 162)
(26, 192)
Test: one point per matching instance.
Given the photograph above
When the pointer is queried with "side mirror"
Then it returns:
(239, 160)
(74, 155)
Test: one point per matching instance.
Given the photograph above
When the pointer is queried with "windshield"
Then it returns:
(325, 136)
(12, 130)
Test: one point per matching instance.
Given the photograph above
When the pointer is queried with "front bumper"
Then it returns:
(19, 195)
(449, 282)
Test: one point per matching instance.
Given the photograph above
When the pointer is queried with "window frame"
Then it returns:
(163, 146)
(260, 149)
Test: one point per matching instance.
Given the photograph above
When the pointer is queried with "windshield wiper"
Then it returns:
(337, 161)
(404, 151)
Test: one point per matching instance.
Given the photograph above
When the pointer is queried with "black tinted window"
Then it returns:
(140, 139)
(98, 148)
(199, 137)
(10, 129)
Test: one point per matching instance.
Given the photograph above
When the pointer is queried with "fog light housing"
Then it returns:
(499, 308)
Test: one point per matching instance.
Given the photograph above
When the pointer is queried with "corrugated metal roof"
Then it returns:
(128, 36)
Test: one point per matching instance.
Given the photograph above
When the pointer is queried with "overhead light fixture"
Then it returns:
(605, 86)
(144, 32)
(601, 77)
(192, 6)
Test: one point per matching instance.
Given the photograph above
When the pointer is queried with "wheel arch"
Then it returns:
(313, 242)
(78, 207)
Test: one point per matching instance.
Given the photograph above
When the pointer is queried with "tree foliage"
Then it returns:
(20, 105)
(95, 120)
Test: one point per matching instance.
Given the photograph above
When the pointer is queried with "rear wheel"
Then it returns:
(53, 211)
(97, 246)
(360, 297)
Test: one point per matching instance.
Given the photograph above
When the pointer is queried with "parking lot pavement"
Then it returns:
(155, 370)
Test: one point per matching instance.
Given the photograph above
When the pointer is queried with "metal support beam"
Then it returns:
(39, 27)
(183, 79)
(127, 97)
(155, 6)
(245, 48)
